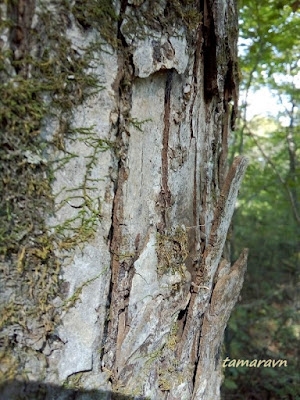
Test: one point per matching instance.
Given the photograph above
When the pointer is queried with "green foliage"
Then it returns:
(270, 31)
(263, 326)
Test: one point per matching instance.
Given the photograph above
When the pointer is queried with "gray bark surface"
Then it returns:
(141, 303)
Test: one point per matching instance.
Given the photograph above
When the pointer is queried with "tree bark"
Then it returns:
(142, 198)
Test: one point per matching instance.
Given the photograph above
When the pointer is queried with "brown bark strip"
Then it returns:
(165, 191)
(116, 240)
(194, 231)
(224, 297)
(222, 219)
(195, 200)
(225, 206)
(203, 281)
(122, 275)
(121, 270)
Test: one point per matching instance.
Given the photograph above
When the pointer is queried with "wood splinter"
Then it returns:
(195, 288)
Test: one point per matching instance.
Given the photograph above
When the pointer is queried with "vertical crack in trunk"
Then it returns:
(209, 53)
(196, 67)
(121, 268)
(165, 191)
(195, 200)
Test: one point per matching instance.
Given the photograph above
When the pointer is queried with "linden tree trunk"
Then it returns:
(116, 197)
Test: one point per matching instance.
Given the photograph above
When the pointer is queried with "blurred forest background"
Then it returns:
(267, 218)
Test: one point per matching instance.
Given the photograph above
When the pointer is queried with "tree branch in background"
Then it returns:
(282, 181)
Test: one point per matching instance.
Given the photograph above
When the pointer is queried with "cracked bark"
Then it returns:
(165, 191)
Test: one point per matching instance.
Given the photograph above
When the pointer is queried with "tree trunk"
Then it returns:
(118, 198)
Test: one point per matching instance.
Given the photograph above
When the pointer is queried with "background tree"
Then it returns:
(267, 218)
(117, 198)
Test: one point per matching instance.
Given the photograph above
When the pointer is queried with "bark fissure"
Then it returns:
(196, 70)
(165, 191)
(195, 200)
(209, 52)
(121, 265)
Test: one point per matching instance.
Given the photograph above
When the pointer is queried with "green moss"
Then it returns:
(74, 381)
(47, 82)
(162, 17)
(172, 339)
(138, 125)
(8, 366)
(187, 12)
(71, 301)
(81, 228)
(98, 14)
